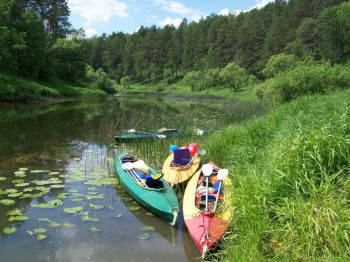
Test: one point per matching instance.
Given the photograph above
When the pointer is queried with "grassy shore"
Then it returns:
(245, 95)
(14, 88)
(290, 171)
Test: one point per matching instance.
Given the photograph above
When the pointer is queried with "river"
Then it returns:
(60, 199)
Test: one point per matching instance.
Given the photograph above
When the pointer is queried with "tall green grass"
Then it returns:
(290, 171)
(15, 88)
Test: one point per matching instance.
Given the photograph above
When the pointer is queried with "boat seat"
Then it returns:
(182, 156)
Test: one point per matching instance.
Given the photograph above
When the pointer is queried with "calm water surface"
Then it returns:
(62, 155)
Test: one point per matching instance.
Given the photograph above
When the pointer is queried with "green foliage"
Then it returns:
(125, 81)
(194, 79)
(68, 57)
(290, 182)
(306, 80)
(103, 82)
(234, 77)
(279, 63)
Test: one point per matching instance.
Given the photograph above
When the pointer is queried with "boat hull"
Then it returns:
(140, 136)
(161, 202)
(206, 228)
(179, 175)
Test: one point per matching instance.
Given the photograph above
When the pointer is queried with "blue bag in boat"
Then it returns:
(216, 187)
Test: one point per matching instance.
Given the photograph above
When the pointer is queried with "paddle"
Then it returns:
(201, 152)
(207, 170)
(130, 169)
(222, 174)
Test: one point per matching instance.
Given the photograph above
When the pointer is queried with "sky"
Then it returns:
(107, 16)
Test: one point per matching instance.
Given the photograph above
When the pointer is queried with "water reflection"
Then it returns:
(73, 143)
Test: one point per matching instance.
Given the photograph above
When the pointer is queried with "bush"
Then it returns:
(234, 77)
(279, 63)
(125, 81)
(307, 80)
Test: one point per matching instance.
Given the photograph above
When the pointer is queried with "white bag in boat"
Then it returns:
(203, 190)
(141, 167)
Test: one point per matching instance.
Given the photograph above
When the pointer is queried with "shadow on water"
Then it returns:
(59, 196)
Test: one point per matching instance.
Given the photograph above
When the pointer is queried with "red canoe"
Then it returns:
(207, 227)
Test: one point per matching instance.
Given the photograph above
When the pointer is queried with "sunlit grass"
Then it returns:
(290, 171)
(15, 88)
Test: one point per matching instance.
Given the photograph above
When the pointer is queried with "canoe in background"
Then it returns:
(136, 135)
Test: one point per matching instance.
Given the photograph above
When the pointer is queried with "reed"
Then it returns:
(290, 171)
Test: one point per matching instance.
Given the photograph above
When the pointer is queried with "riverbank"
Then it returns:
(15, 88)
(244, 95)
(290, 171)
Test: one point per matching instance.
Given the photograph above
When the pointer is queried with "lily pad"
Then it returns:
(8, 230)
(148, 228)
(68, 225)
(11, 190)
(23, 169)
(87, 218)
(39, 230)
(28, 189)
(76, 199)
(15, 194)
(36, 171)
(54, 224)
(94, 229)
(15, 212)
(20, 174)
(119, 215)
(143, 236)
(50, 204)
(7, 202)
(73, 210)
(30, 232)
(2, 178)
(149, 214)
(96, 206)
(133, 208)
(17, 218)
(94, 197)
(62, 195)
(57, 186)
(41, 236)
(2, 192)
(22, 184)
(44, 219)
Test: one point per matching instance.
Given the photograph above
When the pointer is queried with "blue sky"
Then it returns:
(107, 16)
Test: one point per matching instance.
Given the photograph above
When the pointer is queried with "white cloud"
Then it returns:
(159, 2)
(177, 7)
(98, 11)
(168, 21)
(90, 32)
(259, 4)
(154, 16)
(224, 11)
(180, 8)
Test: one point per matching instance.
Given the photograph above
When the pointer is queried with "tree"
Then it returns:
(69, 59)
(279, 63)
(234, 77)
(194, 79)
(125, 81)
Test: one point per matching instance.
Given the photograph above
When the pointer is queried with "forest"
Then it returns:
(233, 51)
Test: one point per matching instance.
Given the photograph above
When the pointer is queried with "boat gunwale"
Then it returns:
(163, 189)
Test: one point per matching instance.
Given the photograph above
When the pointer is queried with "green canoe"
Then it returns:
(162, 201)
